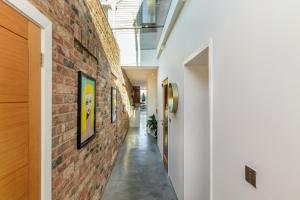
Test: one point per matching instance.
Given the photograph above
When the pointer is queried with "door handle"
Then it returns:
(164, 123)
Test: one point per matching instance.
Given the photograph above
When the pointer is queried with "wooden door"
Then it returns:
(165, 124)
(136, 95)
(20, 103)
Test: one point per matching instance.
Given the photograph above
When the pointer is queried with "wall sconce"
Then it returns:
(173, 97)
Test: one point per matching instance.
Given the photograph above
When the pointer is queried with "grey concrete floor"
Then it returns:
(139, 173)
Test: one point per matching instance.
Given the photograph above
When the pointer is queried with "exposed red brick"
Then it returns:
(83, 41)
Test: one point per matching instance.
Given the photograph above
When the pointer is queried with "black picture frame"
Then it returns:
(114, 113)
(81, 76)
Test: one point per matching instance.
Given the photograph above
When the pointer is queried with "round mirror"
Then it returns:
(173, 97)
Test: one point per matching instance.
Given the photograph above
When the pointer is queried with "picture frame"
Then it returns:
(86, 120)
(113, 105)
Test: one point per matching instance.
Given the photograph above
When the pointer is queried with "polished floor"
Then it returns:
(139, 173)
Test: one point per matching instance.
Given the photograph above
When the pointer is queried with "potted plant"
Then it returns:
(152, 125)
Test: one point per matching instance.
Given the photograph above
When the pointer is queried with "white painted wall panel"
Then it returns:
(151, 95)
(257, 95)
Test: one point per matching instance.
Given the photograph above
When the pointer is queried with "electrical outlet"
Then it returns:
(250, 176)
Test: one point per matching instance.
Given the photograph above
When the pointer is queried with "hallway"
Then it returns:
(139, 173)
(217, 80)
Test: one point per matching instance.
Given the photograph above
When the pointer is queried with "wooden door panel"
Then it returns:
(13, 125)
(13, 160)
(14, 186)
(20, 107)
(25, 197)
(14, 51)
(12, 20)
(14, 71)
(34, 42)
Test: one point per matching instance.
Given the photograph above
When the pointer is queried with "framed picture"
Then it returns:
(86, 109)
(113, 104)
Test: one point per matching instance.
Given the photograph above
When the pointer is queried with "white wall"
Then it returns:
(168, 69)
(148, 58)
(196, 133)
(257, 95)
(130, 52)
(151, 95)
(134, 120)
(126, 40)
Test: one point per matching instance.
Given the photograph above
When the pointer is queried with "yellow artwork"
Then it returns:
(86, 108)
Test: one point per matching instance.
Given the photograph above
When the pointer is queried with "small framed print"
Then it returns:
(86, 109)
(113, 104)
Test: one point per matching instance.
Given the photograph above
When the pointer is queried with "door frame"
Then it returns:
(34, 15)
(165, 83)
(210, 46)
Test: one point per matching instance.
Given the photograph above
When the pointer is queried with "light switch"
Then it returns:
(250, 176)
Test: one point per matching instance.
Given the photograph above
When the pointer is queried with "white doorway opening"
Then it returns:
(198, 118)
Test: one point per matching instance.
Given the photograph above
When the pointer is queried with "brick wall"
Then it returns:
(82, 40)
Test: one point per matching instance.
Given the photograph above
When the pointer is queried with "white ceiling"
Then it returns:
(138, 76)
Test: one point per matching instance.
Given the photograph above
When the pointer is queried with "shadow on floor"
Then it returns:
(139, 173)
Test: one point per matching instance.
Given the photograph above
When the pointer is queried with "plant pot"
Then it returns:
(152, 133)
(148, 130)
